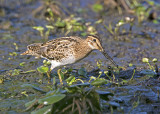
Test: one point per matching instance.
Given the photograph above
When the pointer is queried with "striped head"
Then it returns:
(94, 42)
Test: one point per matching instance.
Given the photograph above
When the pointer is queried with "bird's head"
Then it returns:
(94, 42)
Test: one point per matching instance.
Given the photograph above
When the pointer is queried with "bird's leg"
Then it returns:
(60, 78)
(49, 77)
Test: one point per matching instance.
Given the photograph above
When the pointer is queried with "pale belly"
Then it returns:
(64, 61)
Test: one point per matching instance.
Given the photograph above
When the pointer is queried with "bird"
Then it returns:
(66, 50)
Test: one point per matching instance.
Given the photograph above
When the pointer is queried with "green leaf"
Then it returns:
(33, 87)
(43, 69)
(70, 78)
(72, 81)
(50, 12)
(51, 99)
(54, 92)
(48, 63)
(44, 61)
(154, 60)
(82, 85)
(155, 21)
(50, 93)
(49, 27)
(151, 2)
(22, 64)
(125, 81)
(30, 103)
(120, 23)
(27, 85)
(1, 81)
(29, 71)
(104, 94)
(97, 7)
(38, 28)
(99, 21)
(60, 24)
(83, 33)
(130, 64)
(13, 54)
(16, 72)
(62, 75)
(99, 82)
(145, 60)
(45, 110)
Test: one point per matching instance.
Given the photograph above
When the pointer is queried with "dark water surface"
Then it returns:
(17, 22)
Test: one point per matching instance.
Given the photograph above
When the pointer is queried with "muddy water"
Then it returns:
(17, 22)
(16, 32)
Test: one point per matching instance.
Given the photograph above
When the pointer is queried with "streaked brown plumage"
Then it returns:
(66, 50)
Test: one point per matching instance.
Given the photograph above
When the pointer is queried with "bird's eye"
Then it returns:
(94, 40)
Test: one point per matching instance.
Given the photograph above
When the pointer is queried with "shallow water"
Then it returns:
(16, 27)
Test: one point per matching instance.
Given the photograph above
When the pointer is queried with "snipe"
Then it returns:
(66, 50)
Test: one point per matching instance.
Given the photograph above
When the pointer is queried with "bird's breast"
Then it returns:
(82, 52)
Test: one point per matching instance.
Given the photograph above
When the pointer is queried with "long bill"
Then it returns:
(108, 57)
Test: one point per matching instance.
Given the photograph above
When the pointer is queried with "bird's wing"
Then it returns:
(62, 39)
(58, 48)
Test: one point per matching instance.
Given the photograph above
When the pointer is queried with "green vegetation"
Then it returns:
(76, 99)
(97, 7)
(115, 31)
(85, 96)
(143, 12)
